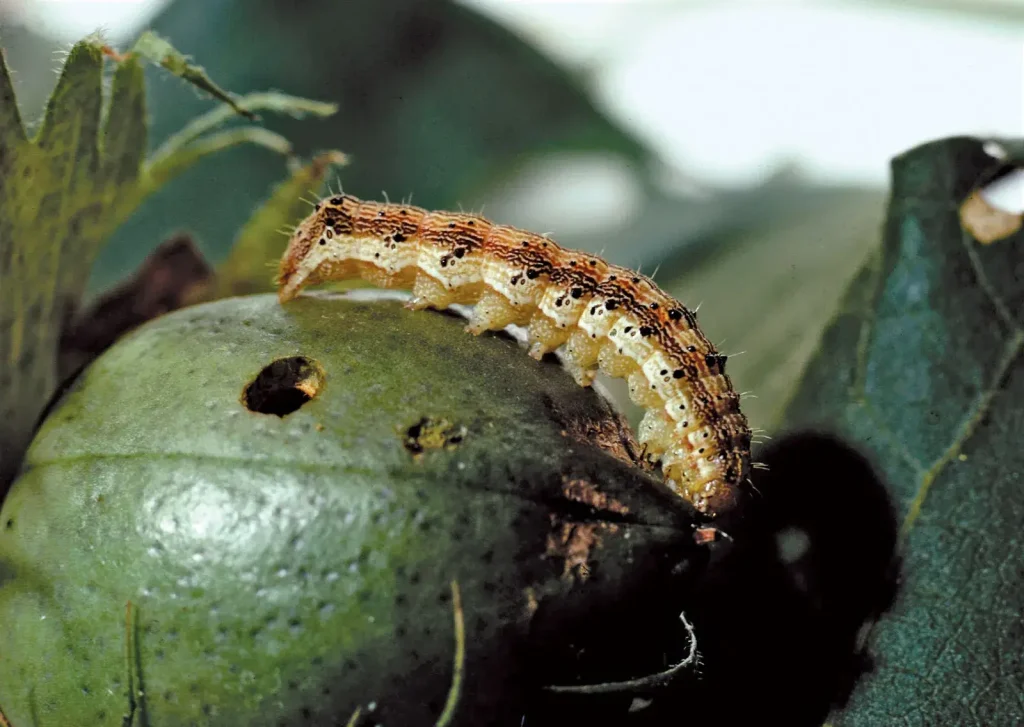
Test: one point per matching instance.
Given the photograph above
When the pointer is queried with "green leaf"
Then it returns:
(167, 168)
(62, 193)
(52, 206)
(922, 370)
(251, 265)
(435, 101)
(277, 102)
(157, 50)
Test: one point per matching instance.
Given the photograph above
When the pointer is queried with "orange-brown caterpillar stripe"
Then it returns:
(606, 317)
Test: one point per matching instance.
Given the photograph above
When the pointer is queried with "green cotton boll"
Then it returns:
(288, 533)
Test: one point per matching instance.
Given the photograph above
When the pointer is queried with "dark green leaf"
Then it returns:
(922, 370)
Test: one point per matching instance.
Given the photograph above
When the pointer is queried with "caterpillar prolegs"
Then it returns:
(604, 317)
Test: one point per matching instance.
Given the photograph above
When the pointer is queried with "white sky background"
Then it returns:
(727, 91)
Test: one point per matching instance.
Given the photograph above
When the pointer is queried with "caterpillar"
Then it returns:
(603, 317)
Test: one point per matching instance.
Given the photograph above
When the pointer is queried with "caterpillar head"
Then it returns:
(316, 241)
(712, 484)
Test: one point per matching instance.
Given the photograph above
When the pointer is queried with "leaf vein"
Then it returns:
(867, 326)
(986, 285)
(892, 441)
(966, 429)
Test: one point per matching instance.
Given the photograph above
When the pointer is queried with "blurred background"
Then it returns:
(739, 149)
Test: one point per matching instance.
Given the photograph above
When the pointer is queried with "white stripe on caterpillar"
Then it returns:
(606, 317)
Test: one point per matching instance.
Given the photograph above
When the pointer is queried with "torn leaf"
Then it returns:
(986, 223)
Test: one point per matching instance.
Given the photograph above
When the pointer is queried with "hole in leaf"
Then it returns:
(995, 211)
(283, 386)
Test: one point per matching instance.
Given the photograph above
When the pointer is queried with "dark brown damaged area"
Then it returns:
(584, 492)
(431, 433)
(574, 541)
(611, 433)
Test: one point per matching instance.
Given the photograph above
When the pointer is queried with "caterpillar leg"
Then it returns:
(403, 279)
(614, 363)
(545, 335)
(641, 393)
(492, 312)
(379, 277)
(581, 354)
(429, 293)
(583, 377)
(655, 431)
